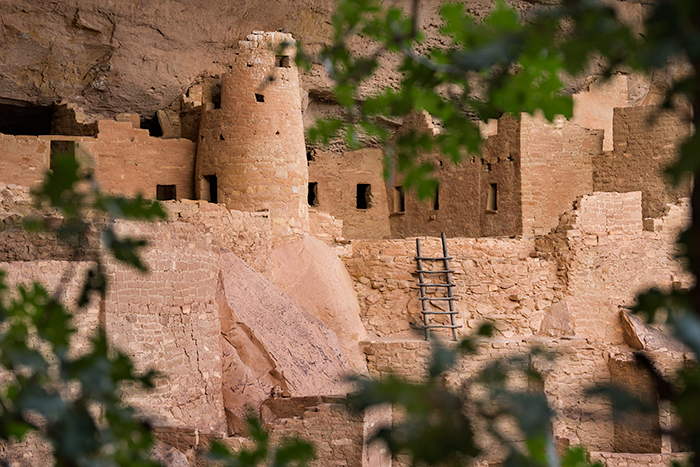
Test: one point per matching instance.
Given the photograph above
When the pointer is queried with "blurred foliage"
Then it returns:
(72, 399)
(291, 452)
(445, 427)
(481, 70)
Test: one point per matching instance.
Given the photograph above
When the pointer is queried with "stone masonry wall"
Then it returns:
(337, 175)
(495, 279)
(126, 160)
(556, 169)
(247, 234)
(645, 143)
(593, 107)
(16, 244)
(168, 320)
(463, 193)
(580, 363)
(607, 260)
(130, 162)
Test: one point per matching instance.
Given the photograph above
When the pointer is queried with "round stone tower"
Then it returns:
(251, 154)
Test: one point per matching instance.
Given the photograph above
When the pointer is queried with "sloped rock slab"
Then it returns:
(275, 344)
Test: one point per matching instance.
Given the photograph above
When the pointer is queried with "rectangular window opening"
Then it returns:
(399, 199)
(492, 198)
(364, 196)
(210, 189)
(165, 192)
(283, 61)
(61, 149)
(313, 194)
(259, 97)
(436, 200)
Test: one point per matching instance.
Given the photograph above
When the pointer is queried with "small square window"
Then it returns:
(283, 61)
(165, 192)
(259, 98)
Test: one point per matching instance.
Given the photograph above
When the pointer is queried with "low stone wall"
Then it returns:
(579, 364)
(495, 279)
(338, 434)
(614, 459)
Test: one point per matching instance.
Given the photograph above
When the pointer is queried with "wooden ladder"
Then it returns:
(447, 286)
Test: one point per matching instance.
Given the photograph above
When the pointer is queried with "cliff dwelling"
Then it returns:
(284, 267)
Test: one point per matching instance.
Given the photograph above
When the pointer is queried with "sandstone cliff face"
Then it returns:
(134, 56)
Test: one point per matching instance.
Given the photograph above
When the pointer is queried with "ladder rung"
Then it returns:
(440, 312)
(435, 285)
(442, 299)
(433, 272)
(451, 326)
(425, 258)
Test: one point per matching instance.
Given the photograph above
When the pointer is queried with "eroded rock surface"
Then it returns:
(272, 346)
(309, 271)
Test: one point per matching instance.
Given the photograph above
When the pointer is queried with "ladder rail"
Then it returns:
(424, 306)
(447, 286)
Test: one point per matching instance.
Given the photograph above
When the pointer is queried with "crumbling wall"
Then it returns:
(556, 169)
(124, 159)
(495, 279)
(501, 180)
(593, 106)
(336, 432)
(129, 161)
(337, 176)
(325, 227)
(608, 259)
(168, 320)
(645, 141)
(479, 197)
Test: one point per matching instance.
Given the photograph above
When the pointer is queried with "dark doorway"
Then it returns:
(313, 194)
(213, 188)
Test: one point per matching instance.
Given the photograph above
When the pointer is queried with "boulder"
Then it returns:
(312, 273)
(641, 336)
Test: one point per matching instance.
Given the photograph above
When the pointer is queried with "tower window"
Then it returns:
(399, 200)
(492, 198)
(313, 194)
(364, 196)
(259, 98)
(436, 201)
(310, 155)
(283, 61)
(165, 192)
